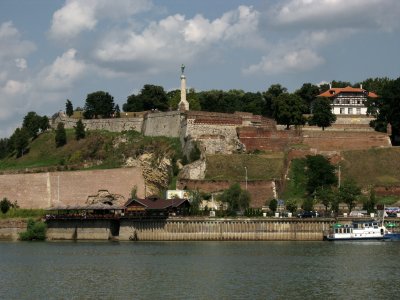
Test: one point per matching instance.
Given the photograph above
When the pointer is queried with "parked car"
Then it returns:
(307, 214)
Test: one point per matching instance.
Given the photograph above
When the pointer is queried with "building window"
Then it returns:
(342, 110)
(350, 110)
(358, 111)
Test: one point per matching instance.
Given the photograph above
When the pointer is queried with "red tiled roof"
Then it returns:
(348, 89)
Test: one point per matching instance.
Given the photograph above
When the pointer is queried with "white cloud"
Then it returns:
(77, 15)
(11, 44)
(288, 62)
(21, 63)
(175, 39)
(336, 14)
(63, 72)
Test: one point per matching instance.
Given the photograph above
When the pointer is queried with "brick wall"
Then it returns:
(345, 140)
(265, 139)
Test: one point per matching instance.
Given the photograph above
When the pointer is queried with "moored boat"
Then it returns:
(393, 234)
(357, 231)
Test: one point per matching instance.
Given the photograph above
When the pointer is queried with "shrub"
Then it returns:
(5, 205)
(35, 230)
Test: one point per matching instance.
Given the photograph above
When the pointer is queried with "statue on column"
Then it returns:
(183, 104)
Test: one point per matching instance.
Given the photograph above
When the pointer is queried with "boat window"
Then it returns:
(355, 226)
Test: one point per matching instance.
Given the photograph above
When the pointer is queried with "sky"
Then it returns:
(54, 50)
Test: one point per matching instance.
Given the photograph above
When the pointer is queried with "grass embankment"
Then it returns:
(22, 213)
(99, 149)
(378, 167)
(373, 167)
(232, 167)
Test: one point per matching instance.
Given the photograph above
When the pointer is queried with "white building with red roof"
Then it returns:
(348, 100)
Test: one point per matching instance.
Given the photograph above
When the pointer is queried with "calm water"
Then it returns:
(200, 270)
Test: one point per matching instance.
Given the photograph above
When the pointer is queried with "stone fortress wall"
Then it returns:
(215, 132)
(42, 190)
(228, 133)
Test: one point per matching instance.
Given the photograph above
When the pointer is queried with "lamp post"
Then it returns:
(245, 168)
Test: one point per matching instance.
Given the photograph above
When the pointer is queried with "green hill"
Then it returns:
(100, 149)
(380, 166)
(232, 167)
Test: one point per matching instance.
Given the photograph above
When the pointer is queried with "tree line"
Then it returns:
(289, 109)
(276, 102)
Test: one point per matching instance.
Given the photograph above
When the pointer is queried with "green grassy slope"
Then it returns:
(232, 167)
(373, 166)
(100, 149)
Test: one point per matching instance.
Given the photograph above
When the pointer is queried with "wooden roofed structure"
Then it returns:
(157, 206)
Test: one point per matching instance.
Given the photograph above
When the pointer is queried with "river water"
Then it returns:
(199, 270)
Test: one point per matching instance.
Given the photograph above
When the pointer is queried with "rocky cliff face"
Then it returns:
(156, 171)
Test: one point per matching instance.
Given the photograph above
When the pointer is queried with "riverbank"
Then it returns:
(10, 228)
(178, 229)
(189, 229)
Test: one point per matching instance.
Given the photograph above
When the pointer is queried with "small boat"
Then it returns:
(357, 231)
(393, 234)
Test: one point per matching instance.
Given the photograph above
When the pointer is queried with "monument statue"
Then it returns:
(183, 104)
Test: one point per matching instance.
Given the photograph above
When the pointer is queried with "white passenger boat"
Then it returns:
(357, 230)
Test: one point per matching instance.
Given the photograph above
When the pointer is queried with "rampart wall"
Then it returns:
(260, 190)
(43, 190)
(266, 139)
(163, 124)
(114, 124)
(345, 140)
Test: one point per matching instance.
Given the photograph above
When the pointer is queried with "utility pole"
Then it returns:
(339, 173)
(246, 176)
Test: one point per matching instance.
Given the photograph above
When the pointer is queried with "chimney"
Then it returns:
(360, 85)
(330, 85)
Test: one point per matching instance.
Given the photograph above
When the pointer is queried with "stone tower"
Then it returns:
(183, 104)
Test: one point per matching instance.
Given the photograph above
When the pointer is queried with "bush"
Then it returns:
(35, 230)
(5, 205)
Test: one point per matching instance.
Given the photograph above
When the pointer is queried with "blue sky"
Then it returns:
(53, 50)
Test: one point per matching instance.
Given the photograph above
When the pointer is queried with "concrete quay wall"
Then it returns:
(188, 229)
(10, 229)
(222, 229)
(80, 229)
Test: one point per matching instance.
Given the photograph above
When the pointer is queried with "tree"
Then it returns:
(308, 92)
(273, 205)
(348, 193)
(319, 172)
(61, 135)
(69, 109)
(117, 111)
(32, 122)
(4, 147)
(20, 139)
(326, 196)
(289, 109)
(150, 97)
(44, 123)
(5, 205)
(79, 130)
(369, 205)
(237, 198)
(269, 97)
(99, 104)
(291, 205)
(388, 108)
(322, 113)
